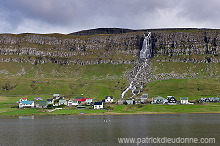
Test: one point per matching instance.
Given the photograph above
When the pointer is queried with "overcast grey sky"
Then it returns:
(66, 16)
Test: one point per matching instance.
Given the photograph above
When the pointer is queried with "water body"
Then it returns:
(71, 130)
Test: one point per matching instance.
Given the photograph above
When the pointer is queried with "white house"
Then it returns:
(26, 104)
(184, 100)
(62, 102)
(98, 105)
(56, 95)
(109, 99)
(88, 101)
(73, 103)
(23, 99)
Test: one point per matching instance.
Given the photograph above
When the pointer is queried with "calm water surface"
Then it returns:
(104, 129)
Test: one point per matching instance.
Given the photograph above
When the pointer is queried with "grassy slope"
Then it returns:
(95, 81)
(192, 88)
(98, 81)
(199, 79)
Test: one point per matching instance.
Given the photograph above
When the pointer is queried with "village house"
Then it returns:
(214, 99)
(210, 99)
(81, 101)
(158, 100)
(26, 104)
(142, 99)
(121, 101)
(217, 99)
(98, 105)
(41, 104)
(144, 95)
(88, 101)
(50, 101)
(109, 99)
(73, 102)
(128, 102)
(23, 99)
(184, 100)
(62, 102)
(56, 96)
(171, 100)
(137, 101)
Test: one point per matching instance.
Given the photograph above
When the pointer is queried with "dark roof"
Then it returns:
(80, 106)
(97, 103)
(79, 98)
(172, 99)
(50, 100)
(108, 96)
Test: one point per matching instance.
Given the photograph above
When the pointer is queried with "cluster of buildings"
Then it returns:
(57, 100)
(81, 102)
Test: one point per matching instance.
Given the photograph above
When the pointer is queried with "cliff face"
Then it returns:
(175, 45)
(187, 46)
(68, 49)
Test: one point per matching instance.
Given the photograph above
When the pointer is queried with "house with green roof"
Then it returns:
(184, 100)
(62, 102)
(73, 102)
(41, 104)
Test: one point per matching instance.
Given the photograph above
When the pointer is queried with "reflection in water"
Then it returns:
(104, 129)
(26, 117)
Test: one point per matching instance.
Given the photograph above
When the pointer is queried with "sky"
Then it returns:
(67, 16)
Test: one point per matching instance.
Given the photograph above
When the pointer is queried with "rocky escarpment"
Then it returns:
(70, 49)
(187, 45)
(115, 46)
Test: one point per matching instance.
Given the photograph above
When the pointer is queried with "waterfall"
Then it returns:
(145, 53)
(146, 47)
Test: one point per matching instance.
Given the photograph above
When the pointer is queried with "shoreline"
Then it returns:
(110, 113)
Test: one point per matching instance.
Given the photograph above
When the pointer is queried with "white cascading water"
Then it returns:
(146, 47)
(145, 53)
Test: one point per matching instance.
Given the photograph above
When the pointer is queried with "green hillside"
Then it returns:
(185, 63)
(98, 81)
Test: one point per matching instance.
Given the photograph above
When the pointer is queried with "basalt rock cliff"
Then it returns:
(70, 49)
(114, 46)
(195, 45)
